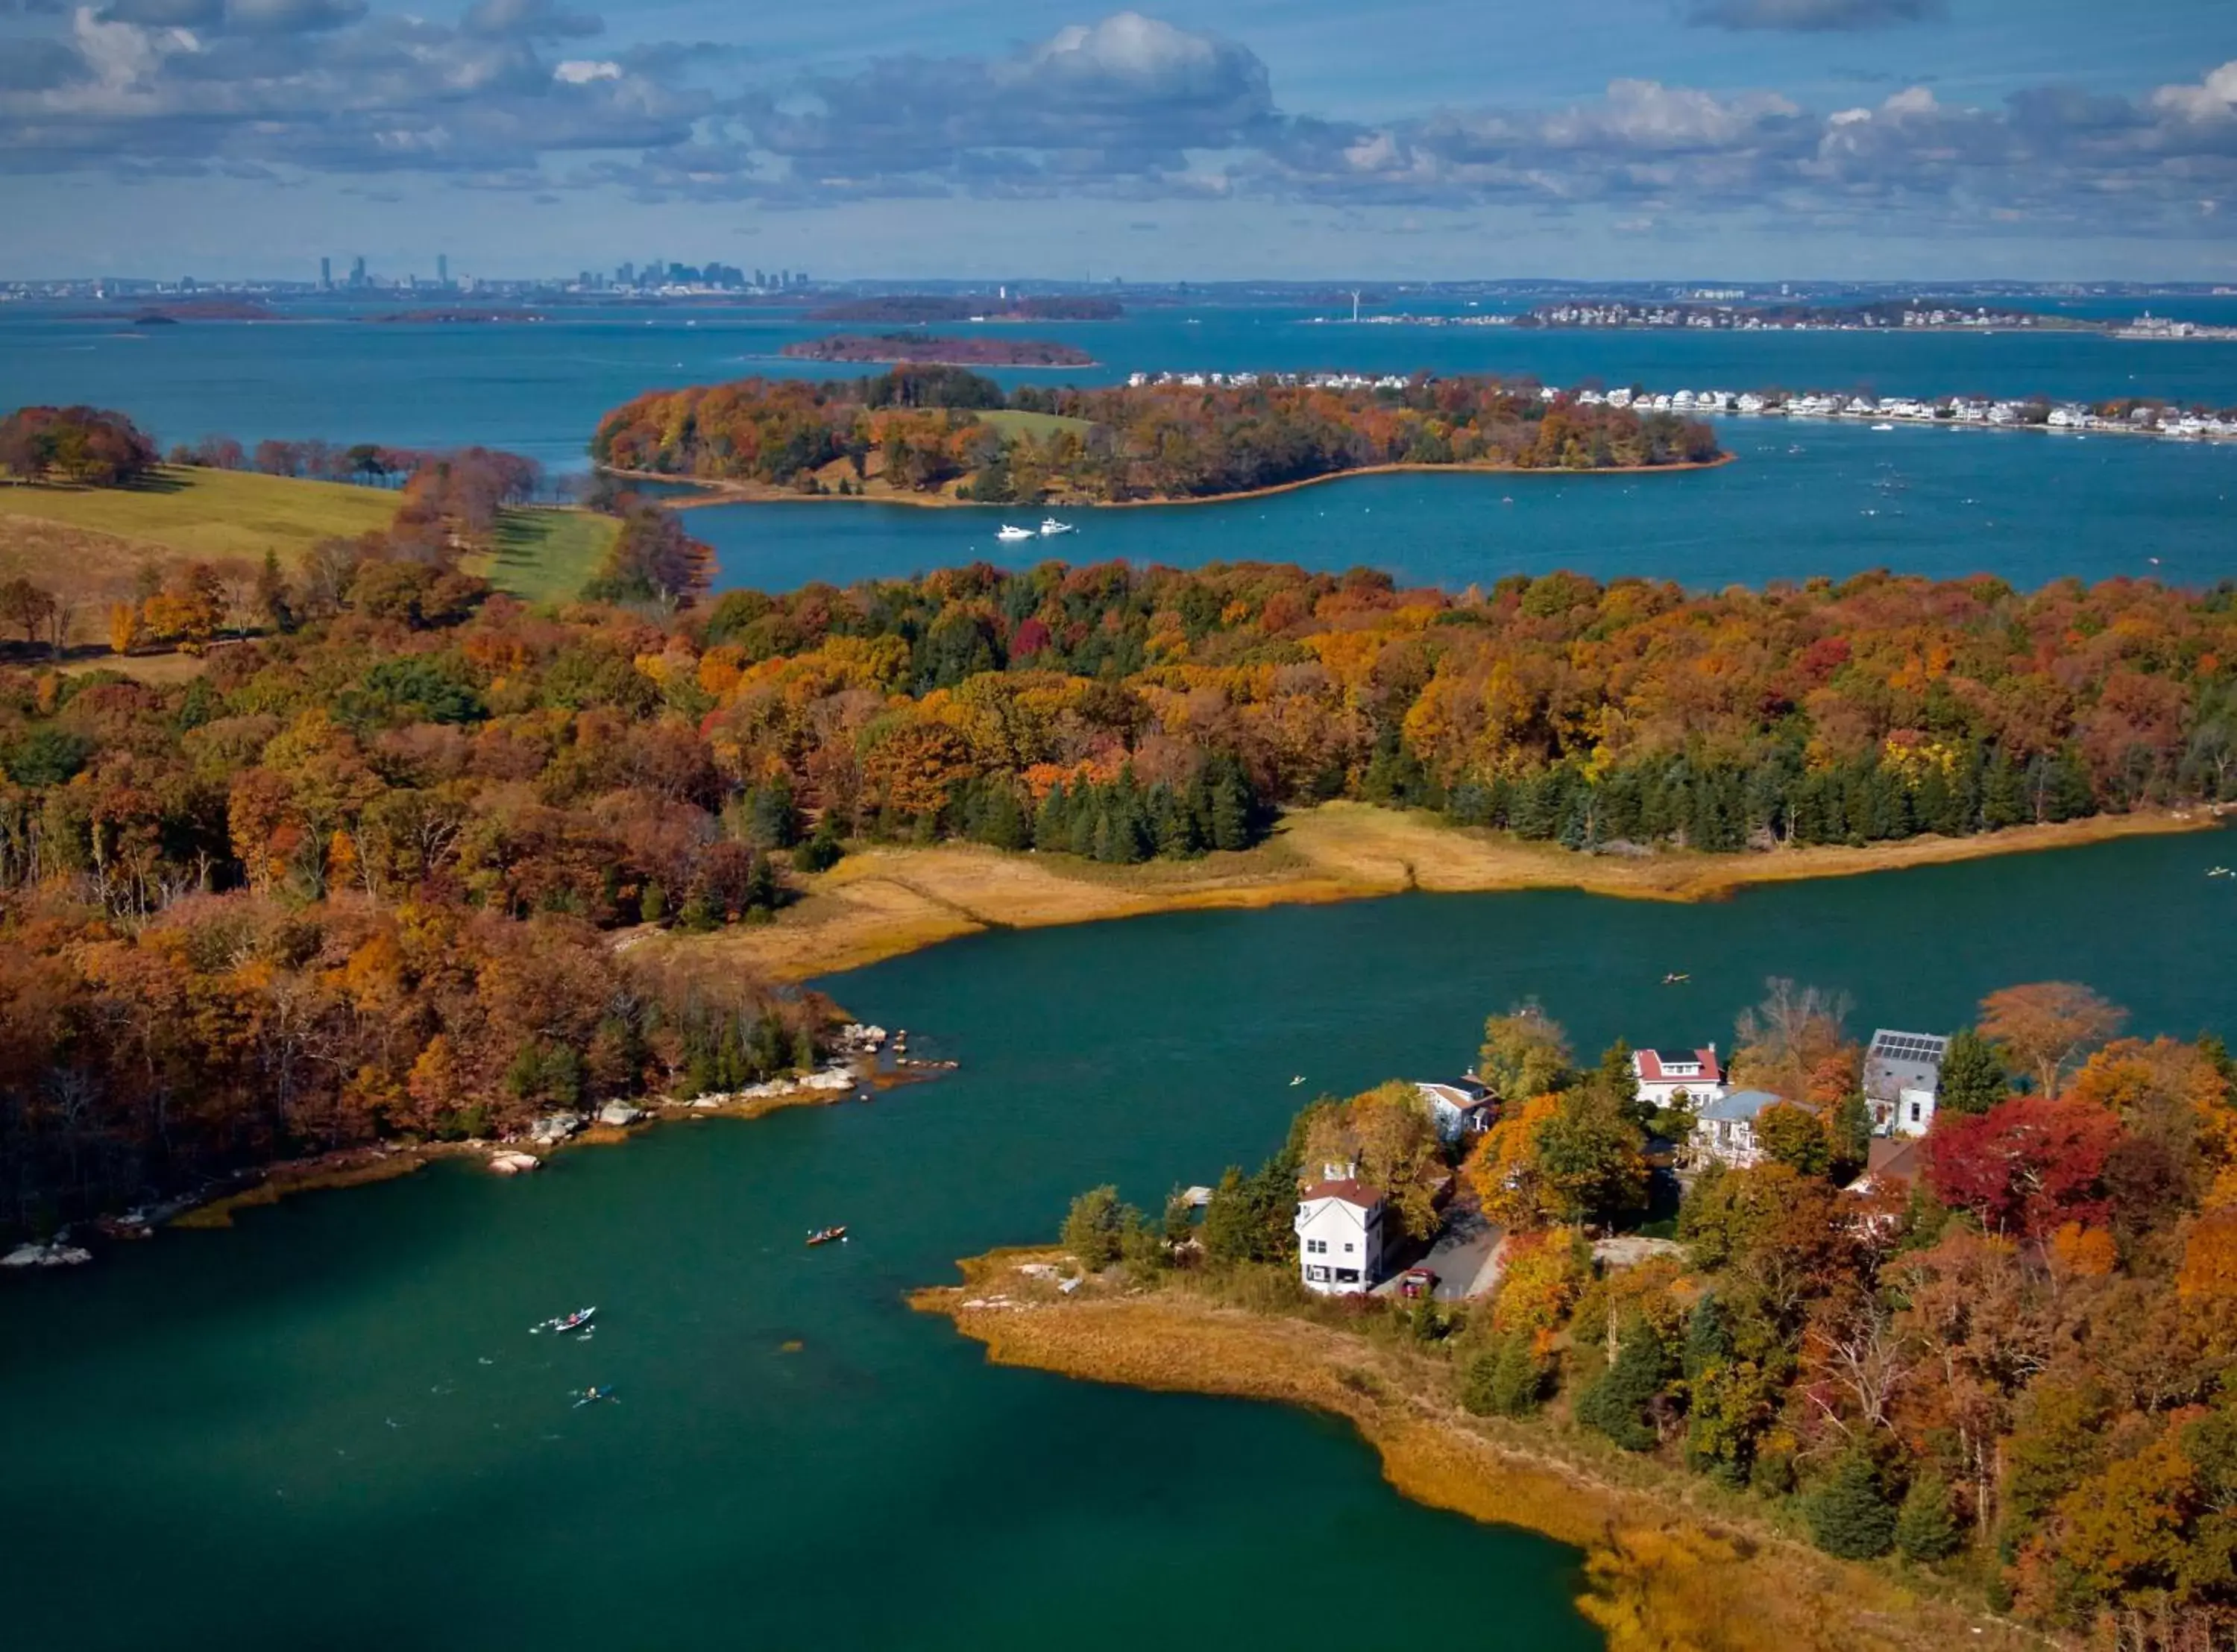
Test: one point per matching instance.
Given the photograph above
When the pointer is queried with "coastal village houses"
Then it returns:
(1341, 1222)
(1667, 1075)
(1902, 1074)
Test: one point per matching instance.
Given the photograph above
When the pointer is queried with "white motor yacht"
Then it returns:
(1051, 526)
(1010, 535)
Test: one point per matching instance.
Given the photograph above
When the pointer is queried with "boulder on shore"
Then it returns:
(513, 1164)
(619, 1115)
(554, 1128)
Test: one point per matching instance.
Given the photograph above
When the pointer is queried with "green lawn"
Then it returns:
(205, 515)
(1039, 426)
(546, 556)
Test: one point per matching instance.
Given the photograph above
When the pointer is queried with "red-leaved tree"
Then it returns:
(2026, 1166)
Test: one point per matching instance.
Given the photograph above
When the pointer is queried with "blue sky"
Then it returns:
(2048, 139)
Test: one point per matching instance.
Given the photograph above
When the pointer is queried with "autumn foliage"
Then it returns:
(918, 430)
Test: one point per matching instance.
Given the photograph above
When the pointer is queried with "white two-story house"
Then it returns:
(1902, 1077)
(1724, 1130)
(1340, 1228)
(1664, 1074)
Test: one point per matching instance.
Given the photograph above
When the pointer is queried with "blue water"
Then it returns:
(539, 388)
(1801, 499)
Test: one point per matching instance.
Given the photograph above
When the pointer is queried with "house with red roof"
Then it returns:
(1667, 1073)
(1341, 1223)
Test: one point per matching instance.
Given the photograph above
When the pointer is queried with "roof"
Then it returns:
(1889, 1044)
(1651, 1063)
(1746, 1104)
(1351, 1192)
(1895, 1158)
(1891, 1161)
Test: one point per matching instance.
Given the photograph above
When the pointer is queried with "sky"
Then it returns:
(2049, 140)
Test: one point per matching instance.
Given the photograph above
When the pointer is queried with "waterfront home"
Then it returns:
(1667, 1075)
(1340, 1226)
(1724, 1130)
(1460, 1108)
(1902, 1074)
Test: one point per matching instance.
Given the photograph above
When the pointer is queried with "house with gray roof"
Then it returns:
(1903, 1076)
(1724, 1130)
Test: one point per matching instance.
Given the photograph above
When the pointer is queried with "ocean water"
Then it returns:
(330, 1427)
(1800, 498)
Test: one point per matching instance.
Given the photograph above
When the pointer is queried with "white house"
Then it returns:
(1340, 1227)
(1664, 1075)
(1724, 1129)
(1903, 1076)
(1459, 1109)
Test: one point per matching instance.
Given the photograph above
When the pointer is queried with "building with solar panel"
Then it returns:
(1902, 1074)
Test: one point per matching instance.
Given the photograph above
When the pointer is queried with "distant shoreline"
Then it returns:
(720, 491)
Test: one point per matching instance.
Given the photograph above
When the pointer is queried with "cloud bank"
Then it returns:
(1129, 108)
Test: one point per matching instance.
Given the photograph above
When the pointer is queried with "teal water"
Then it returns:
(284, 1435)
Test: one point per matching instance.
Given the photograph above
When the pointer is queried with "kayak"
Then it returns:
(565, 1322)
(825, 1236)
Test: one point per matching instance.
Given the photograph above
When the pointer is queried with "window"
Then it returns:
(1317, 1246)
(1320, 1273)
(1349, 1247)
(1914, 1112)
(1347, 1276)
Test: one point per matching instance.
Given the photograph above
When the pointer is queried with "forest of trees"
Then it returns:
(918, 431)
(2019, 1371)
(395, 754)
(86, 446)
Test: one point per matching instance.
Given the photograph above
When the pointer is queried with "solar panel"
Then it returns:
(1909, 1046)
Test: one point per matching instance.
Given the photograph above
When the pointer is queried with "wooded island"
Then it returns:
(945, 434)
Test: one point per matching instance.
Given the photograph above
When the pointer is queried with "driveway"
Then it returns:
(1466, 1257)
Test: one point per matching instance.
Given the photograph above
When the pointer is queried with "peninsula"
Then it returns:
(932, 349)
(1873, 1385)
(940, 434)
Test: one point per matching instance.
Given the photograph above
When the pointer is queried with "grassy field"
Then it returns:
(183, 515)
(90, 544)
(545, 556)
(1039, 426)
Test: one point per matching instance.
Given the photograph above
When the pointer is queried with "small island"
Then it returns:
(937, 435)
(926, 349)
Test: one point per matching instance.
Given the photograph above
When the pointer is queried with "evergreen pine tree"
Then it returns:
(1093, 1225)
(1086, 816)
(1053, 821)
(1616, 1404)
(1973, 1077)
(1230, 812)
(1924, 1527)
(1848, 1513)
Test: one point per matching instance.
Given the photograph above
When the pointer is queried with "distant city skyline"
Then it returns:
(1673, 139)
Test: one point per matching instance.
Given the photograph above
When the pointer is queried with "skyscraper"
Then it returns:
(442, 269)
(325, 275)
(357, 271)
